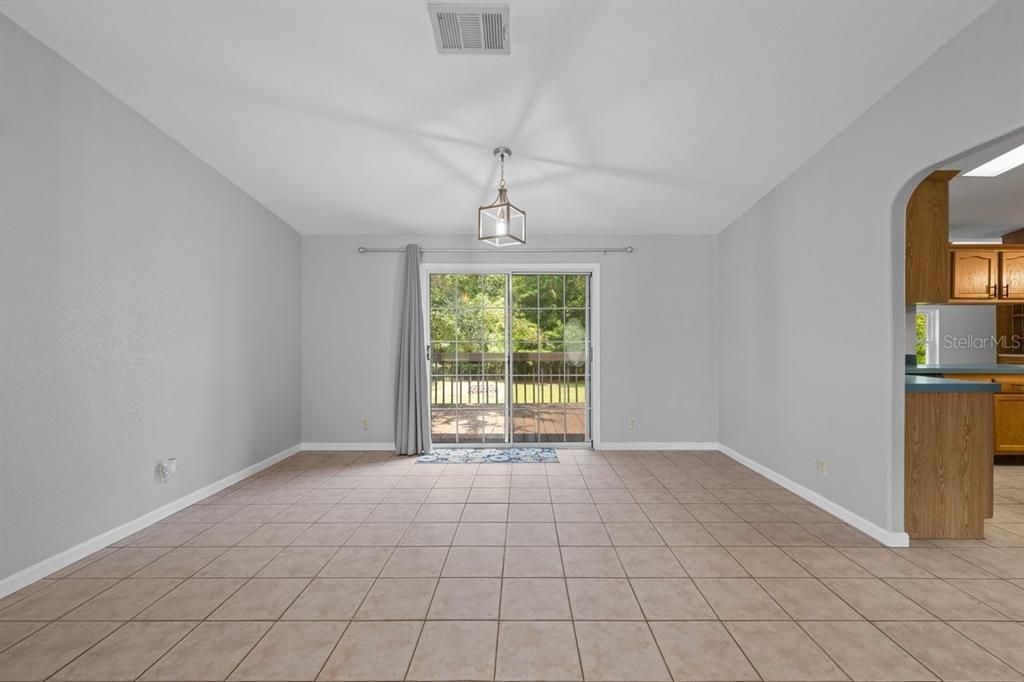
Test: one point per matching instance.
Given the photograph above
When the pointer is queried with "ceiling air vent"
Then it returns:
(469, 29)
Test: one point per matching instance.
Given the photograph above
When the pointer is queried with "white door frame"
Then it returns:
(594, 269)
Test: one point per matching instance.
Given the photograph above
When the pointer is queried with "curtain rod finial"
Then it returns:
(629, 249)
(362, 249)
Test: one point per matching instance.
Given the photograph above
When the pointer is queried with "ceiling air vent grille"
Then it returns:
(470, 29)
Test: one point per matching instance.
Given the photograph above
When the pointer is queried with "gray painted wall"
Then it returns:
(658, 351)
(815, 269)
(150, 309)
(967, 334)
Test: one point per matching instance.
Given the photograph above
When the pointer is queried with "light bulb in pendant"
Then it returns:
(502, 228)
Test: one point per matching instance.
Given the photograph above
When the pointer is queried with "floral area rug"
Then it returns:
(487, 455)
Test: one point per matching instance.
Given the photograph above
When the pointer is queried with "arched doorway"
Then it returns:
(952, 227)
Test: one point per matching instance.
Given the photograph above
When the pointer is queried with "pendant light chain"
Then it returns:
(501, 165)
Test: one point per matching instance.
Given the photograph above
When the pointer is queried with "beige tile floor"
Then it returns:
(605, 566)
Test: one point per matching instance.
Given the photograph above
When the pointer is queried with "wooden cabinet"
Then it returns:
(948, 464)
(1011, 275)
(1009, 421)
(975, 275)
(927, 228)
(1008, 409)
(1010, 359)
(986, 275)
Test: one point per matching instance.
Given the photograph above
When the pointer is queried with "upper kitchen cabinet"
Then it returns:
(975, 275)
(986, 275)
(928, 265)
(1011, 275)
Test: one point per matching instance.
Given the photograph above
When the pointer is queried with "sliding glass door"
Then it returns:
(510, 357)
(549, 349)
(468, 357)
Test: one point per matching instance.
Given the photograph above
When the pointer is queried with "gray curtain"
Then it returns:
(412, 397)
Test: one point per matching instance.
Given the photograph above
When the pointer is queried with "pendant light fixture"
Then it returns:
(500, 223)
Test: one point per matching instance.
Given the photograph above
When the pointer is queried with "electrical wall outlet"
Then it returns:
(166, 469)
(631, 423)
(822, 467)
(366, 424)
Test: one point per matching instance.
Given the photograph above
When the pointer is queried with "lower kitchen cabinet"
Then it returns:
(1009, 423)
(948, 464)
(1008, 410)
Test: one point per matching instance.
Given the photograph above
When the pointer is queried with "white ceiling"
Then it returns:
(623, 117)
(986, 208)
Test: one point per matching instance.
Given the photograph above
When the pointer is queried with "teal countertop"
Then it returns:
(965, 369)
(924, 384)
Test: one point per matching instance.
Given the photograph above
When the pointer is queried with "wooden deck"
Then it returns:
(533, 423)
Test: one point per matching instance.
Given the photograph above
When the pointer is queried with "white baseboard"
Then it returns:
(40, 570)
(313, 447)
(886, 537)
(606, 445)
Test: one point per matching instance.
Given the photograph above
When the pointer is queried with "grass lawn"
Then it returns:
(445, 392)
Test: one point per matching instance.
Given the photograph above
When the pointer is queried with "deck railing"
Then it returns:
(479, 378)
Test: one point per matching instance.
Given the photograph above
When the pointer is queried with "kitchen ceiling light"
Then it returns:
(500, 223)
(1000, 164)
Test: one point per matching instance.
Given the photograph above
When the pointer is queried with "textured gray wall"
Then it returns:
(657, 345)
(149, 309)
(812, 321)
(966, 333)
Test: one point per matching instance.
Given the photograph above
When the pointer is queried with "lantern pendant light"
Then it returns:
(500, 223)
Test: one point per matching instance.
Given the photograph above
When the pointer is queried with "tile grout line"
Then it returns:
(176, 643)
(721, 623)
(985, 648)
(272, 622)
(246, 581)
(423, 622)
(565, 586)
(867, 620)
